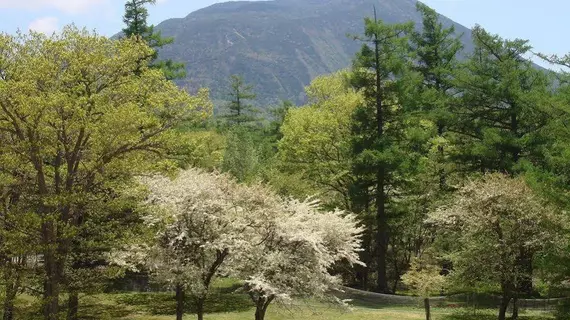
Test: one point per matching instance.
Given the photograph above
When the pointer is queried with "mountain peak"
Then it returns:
(279, 46)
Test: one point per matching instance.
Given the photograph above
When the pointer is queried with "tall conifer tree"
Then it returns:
(379, 69)
(436, 49)
(239, 109)
(135, 19)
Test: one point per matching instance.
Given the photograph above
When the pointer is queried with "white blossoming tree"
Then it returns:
(209, 225)
(297, 246)
(201, 220)
(497, 225)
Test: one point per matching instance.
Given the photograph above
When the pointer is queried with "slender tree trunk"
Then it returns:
(51, 281)
(396, 283)
(504, 306)
(427, 308)
(381, 220)
(259, 313)
(11, 291)
(179, 302)
(12, 280)
(200, 308)
(72, 305)
(382, 233)
(515, 315)
(442, 174)
(514, 130)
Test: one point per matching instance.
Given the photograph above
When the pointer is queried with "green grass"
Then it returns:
(227, 304)
(161, 307)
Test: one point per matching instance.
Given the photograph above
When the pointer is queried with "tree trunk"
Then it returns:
(259, 313)
(427, 308)
(72, 306)
(395, 285)
(504, 306)
(51, 280)
(11, 291)
(381, 220)
(382, 233)
(200, 308)
(179, 302)
(515, 309)
(442, 174)
(261, 307)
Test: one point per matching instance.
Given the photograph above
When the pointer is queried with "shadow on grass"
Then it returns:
(363, 303)
(486, 316)
(220, 300)
(94, 311)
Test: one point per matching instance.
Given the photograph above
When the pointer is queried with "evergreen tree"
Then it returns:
(503, 111)
(502, 120)
(436, 50)
(379, 72)
(241, 157)
(135, 19)
(239, 111)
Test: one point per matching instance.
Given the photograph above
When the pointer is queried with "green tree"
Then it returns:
(317, 138)
(380, 73)
(77, 124)
(436, 49)
(135, 19)
(239, 112)
(425, 279)
(278, 115)
(504, 106)
(241, 156)
(554, 178)
(505, 112)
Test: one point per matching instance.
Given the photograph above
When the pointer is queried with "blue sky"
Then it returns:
(543, 22)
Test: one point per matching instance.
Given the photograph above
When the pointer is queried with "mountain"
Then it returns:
(278, 46)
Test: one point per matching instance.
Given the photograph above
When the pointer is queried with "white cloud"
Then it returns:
(47, 25)
(67, 6)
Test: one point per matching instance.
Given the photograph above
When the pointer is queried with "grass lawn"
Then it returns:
(301, 311)
(157, 307)
(225, 304)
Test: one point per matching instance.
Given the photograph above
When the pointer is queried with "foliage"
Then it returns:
(316, 138)
(239, 112)
(436, 50)
(241, 155)
(198, 227)
(424, 278)
(135, 19)
(212, 226)
(505, 106)
(497, 224)
(203, 149)
(298, 246)
(76, 123)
